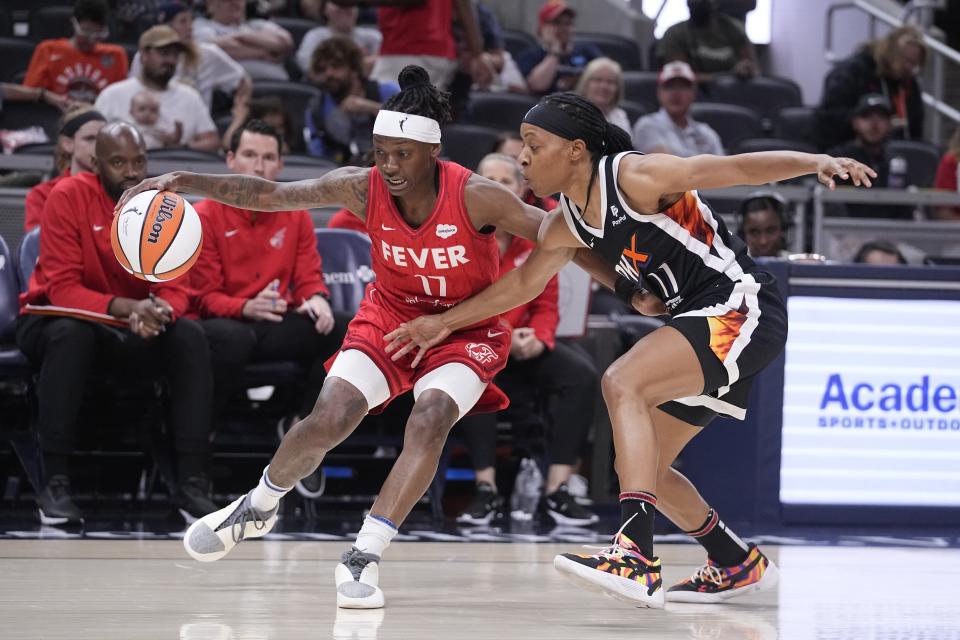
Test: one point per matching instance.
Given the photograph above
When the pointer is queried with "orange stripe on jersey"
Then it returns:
(686, 213)
(724, 330)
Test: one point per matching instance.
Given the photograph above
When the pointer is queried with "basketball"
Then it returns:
(157, 237)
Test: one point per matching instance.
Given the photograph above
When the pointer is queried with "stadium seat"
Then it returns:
(38, 149)
(795, 123)
(27, 256)
(47, 23)
(641, 87)
(297, 27)
(188, 155)
(22, 115)
(294, 95)
(774, 144)
(16, 54)
(516, 42)
(623, 50)
(299, 160)
(635, 110)
(346, 266)
(466, 144)
(732, 122)
(502, 111)
(922, 159)
(765, 95)
(6, 24)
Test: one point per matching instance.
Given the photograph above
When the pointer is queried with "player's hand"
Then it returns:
(320, 312)
(423, 332)
(166, 182)
(846, 168)
(267, 305)
(648, 304)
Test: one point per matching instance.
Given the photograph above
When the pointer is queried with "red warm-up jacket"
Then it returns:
(77, 268)
(540, 314)
(244, 251)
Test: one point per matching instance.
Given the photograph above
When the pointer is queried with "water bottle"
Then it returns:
(526, 490)
(897, 175)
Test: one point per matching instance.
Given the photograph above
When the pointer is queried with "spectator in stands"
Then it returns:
(538, 364)
(271, 110)
(671, 129)
(260, 46)
(888, 66)
(181, 107)
(340, 120)
(872, 123)
(80, 282)
(77, 139)
(502, 73)
(509, 143)
(763, 224)
(202, 65)
(947, 173)
(340, 21)
(602, 84)
(736, 9)
(556, 63)
(81, 66)
(10, 92)
(709, 42)
(259, 284)
(879, 252)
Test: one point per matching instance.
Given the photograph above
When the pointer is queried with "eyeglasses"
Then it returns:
(93, 35)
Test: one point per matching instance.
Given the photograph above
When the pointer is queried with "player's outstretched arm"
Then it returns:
(345, 187)
(646, 178)
(515, 288)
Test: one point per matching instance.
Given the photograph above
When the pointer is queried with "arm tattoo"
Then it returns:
(346, 186)
(239, 191)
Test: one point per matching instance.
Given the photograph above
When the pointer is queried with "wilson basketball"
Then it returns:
(157, 236)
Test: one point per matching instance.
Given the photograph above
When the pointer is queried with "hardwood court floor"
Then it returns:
(150, 589)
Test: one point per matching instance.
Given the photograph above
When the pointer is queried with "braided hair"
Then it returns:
(419, 97)
(600, 137)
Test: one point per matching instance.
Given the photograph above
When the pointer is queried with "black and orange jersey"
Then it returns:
(682, 253)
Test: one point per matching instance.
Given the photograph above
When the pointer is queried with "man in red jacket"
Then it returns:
(259, 282)
(538, 365)
(77, 294)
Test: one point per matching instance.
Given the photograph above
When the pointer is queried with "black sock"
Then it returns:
(638, 509)
(722, 545)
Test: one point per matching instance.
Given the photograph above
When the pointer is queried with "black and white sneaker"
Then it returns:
(564, 510)
(486, 506)
(55, 504)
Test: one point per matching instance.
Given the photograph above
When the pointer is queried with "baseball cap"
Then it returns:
(159, 36)
(552, 10)
(872, 102)
(674, 70)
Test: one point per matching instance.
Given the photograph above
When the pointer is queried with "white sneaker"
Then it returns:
(214, 535)
(356, 578)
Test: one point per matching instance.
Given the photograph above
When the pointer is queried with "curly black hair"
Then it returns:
(419, 97)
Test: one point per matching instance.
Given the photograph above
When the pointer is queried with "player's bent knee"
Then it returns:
(616, 386)
(338, 411)
(431, 421)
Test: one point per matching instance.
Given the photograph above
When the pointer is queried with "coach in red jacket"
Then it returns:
(259, 283)
(77, 290)
(538, 365)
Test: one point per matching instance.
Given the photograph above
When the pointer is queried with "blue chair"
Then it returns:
(346, 266)
(28, 253)
(17, 375)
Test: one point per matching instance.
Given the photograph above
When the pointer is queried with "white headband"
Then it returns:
(394, 124)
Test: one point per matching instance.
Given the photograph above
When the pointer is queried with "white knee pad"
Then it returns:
(458, 381)
(358, 369)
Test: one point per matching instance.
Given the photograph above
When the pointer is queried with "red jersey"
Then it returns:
(37, 198)
(424, 30)
(434, 267)
(61, 68)
(77, 268)
(243, 252)
(344, 219)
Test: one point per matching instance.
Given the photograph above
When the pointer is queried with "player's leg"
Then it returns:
(353, 384)
(660, 367)
(442, 395)
(733, 567)
(479, 433)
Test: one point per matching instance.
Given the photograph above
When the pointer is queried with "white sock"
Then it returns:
(267, 495)
(375, 535)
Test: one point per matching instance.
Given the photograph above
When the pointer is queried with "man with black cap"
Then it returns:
(556, 63)
(710, 42)
(871, 122)
(182, 109)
